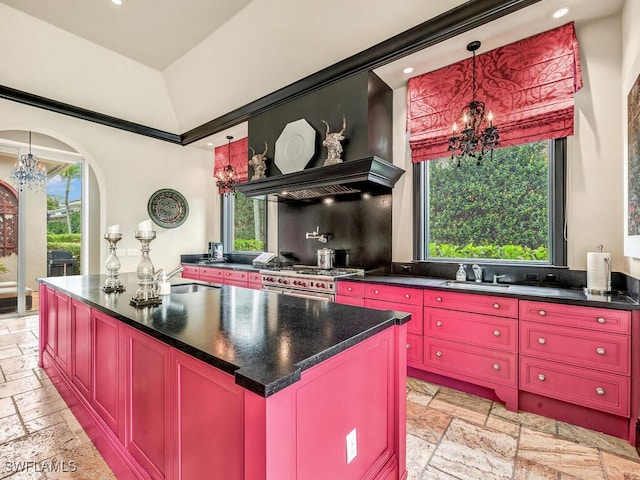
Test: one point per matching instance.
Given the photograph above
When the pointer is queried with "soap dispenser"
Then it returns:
(461, 274)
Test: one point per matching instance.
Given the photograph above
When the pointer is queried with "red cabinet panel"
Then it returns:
(600, 319)
(63, 332)
(468, 302)
(602, 391)
(582, 347)
(52, 322)
(348, 300)
(350, 289)
(414, 325)
(81, 347)
(147, 428)
(475, 364)
(255, 280)
(388, 293)
(106, 388)
(472, 328)
(191, 272)
(215, 275)
(414, 349)
(197, 418)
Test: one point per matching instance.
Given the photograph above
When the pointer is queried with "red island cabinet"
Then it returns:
(63, 332)
(81, 346)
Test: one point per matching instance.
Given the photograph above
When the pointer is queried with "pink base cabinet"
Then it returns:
(155, 412)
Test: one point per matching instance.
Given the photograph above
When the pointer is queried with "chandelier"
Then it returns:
(478, 135)
(226, 178)
(29, 172)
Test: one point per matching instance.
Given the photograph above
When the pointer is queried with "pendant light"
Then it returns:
(226, 178)
(29, 172)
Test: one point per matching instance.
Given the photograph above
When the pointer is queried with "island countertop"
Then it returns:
(264, 339)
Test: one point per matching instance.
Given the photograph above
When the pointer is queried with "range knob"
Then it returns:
(279, 280)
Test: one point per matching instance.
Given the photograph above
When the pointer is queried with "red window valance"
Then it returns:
(527, 85)
(239, 159)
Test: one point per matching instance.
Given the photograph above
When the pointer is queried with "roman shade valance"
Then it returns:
(239, 159)
(528, 85)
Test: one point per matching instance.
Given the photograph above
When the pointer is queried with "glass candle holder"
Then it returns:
(112, 284)
(146, 294)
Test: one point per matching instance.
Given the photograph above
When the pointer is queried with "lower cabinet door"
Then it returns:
(478, 365)
(602, 391)
(414, 348)
(51, 334)
(106, 385)
(81, 347)
(208, 422)
(63, 332)
(147, 428)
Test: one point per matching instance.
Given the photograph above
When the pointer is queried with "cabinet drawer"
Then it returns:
(414, 325)
(474, 363)
(585, 348)
(472, 328)
(414, 348)
(468, 302)
(351, 289)
(212, 274)
(191, 272)
(236, 276)
(602, 391)
(411, 296)
(347, 300)
(255, 278)
(601, 319)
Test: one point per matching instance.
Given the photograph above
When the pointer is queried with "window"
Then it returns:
(509, 208)
(244, 223)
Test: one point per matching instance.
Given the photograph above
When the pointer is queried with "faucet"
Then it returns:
(477, 271)
(498, 277)
(321, 237)
(162, 286)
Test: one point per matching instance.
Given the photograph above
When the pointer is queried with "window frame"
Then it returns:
(227, 212)
(557, 155)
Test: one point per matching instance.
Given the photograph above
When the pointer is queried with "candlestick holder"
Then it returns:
(112, 283)
(146, 294)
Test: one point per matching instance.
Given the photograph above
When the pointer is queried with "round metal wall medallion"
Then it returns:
(168, 208)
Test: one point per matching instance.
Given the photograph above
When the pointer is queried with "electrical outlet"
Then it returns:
(120, 252)
(405, 268)
(352, 446)
(133, 252)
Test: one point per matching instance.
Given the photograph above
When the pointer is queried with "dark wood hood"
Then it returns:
(370, 175)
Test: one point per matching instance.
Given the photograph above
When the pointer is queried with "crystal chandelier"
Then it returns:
(478, 135)
(226, 178)
(29, 172)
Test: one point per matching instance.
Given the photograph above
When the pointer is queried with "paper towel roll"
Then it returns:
(598, 271)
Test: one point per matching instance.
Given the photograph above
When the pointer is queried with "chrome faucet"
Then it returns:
(498, 277)
(161, 280)
(316, 235)
(477, 271)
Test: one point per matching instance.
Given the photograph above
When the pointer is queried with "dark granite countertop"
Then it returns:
(523, 292)
(262, 338)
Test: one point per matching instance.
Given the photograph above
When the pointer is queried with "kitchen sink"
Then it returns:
(191, 287)
(474, 285)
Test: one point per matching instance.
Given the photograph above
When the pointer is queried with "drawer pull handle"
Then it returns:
(541, 341)
(438, 299)
(600, 391)
(438, 353)
(406, 295)
(408, 345)
(349, 289)
(496, 366)
(497, 333)
(438, 323)
(600, 351)
(496, 306)
(541, 377)
(542, 313)
(601, 320)
(376, 292)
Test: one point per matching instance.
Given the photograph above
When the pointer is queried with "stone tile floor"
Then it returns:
(450, 435)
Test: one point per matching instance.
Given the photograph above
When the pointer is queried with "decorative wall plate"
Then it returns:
(168, 208)
(295, 146)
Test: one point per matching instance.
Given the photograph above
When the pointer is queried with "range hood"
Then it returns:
(370, 175)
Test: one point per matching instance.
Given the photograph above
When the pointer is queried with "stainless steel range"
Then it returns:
(304, 281)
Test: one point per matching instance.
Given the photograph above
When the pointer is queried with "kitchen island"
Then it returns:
(228, 382)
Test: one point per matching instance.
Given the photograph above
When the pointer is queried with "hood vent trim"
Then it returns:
(371, 175)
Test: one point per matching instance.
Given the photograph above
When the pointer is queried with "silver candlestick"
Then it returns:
(112, 283)
(146, 294)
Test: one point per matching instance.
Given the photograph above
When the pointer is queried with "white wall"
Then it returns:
(595, 160)
(129, 168)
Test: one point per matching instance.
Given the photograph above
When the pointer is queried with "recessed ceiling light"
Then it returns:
(407, 70)
(210, 144)
(561, 12)
(116, 2)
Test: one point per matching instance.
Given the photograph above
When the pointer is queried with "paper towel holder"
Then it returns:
(608, 290)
